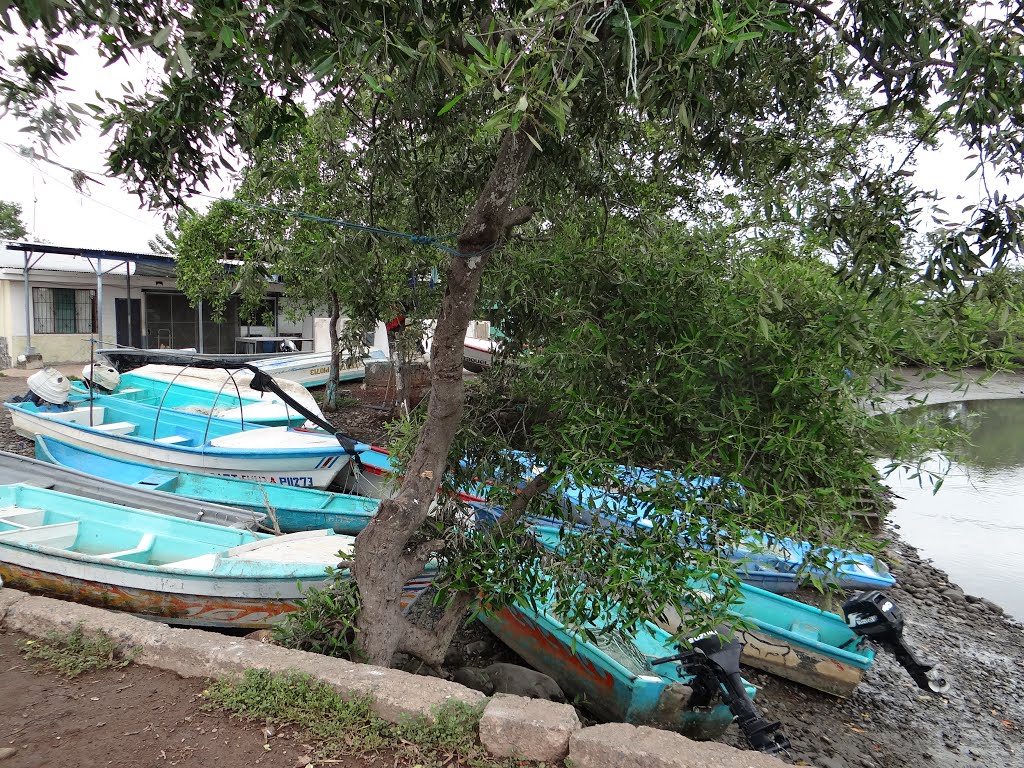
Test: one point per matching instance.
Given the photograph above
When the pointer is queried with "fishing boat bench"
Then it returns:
(58, 535)
(173, 440)
(116, 428)
(144, 546)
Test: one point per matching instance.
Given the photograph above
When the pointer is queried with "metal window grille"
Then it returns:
(63, 310)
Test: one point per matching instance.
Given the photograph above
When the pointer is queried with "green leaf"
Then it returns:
(160, 38)
(450, 104)
(184, 61)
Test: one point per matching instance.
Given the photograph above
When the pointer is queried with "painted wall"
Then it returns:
(58, 347)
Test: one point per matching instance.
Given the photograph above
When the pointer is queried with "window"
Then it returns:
(63, 310)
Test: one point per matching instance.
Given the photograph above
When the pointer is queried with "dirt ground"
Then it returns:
(887, 723)
(127, 717)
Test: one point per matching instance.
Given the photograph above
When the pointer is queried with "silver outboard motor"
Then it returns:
(48, 388)
(99, 376)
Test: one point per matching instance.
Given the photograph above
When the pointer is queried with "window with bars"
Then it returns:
(63, 310)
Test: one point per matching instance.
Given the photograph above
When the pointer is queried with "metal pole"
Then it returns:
(29, 349)
(99, 299)
(199, 308)
(128, 290)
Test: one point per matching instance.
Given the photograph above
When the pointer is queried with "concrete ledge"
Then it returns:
(533, 729)
(195, 653)
(618, 745)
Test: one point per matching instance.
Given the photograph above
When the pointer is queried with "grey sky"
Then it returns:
(109, 217)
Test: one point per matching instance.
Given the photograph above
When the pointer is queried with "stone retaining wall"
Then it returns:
(510, 725)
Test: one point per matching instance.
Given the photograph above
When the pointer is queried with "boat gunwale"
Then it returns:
(202, 450)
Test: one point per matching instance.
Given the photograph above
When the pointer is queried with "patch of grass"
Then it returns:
(74, 653)
(341, 726)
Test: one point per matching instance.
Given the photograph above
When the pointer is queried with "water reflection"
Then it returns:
(973, 528)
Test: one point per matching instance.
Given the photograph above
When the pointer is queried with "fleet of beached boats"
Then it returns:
(153, 492)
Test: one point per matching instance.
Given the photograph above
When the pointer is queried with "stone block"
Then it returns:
(9, 597)
(619, 745)
(533, 729)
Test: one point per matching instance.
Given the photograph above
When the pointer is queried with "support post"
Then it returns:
(199, 318)
(99, 300)
(128, 292)
(29, 349)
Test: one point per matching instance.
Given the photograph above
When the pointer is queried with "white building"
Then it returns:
(57, 301)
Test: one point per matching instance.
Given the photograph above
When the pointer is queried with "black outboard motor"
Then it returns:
(877, 617)
(715, 664)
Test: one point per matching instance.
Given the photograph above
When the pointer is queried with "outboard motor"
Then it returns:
(715, 664)
(876, 616)
(48, 389)
(104, 378)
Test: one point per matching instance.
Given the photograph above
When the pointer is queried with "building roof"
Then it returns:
(75, 264)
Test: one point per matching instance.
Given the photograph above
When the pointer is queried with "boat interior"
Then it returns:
(26, 518)
(115, 416)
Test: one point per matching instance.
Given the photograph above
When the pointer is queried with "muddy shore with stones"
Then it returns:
(888, 722)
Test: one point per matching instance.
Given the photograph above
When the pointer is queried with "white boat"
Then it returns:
(189, 442)
(478, 354)
(314, 368)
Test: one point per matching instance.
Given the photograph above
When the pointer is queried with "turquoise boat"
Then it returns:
(784, 637)
(293, 509)
(160, 567)
(177, 395)
(613, 678)
(189, 442)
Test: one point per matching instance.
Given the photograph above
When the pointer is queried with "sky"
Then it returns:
(108, 216)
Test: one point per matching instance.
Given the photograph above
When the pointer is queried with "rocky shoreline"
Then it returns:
(888, 722)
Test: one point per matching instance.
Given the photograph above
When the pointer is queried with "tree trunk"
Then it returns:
(384, 561)
(331, 393)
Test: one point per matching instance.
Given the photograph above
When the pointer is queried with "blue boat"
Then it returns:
(180, 393)
(293, 509)
(188, 442)
(787, 638)
(776, 564)
(161, 567)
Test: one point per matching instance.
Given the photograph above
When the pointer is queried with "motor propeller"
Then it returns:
(715, 664)
(876, 616)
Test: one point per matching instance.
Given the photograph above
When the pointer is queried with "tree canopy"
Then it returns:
(11, 225)
(500, 121)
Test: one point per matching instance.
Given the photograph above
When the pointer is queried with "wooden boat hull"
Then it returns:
(293, 509)
(605, 687)
(305, 468)
(226, 611)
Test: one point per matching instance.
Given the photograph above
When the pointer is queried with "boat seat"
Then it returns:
(807, 631)
(172, 439)
(22, 517)
(117, 427)
(58, 535)
(145, 544)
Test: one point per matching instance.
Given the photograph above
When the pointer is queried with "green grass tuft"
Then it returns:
(74, 653)
(341, 726)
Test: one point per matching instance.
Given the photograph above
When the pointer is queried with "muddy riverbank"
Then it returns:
(889, 722)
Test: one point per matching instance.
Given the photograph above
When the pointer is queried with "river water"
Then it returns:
(973, 526)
